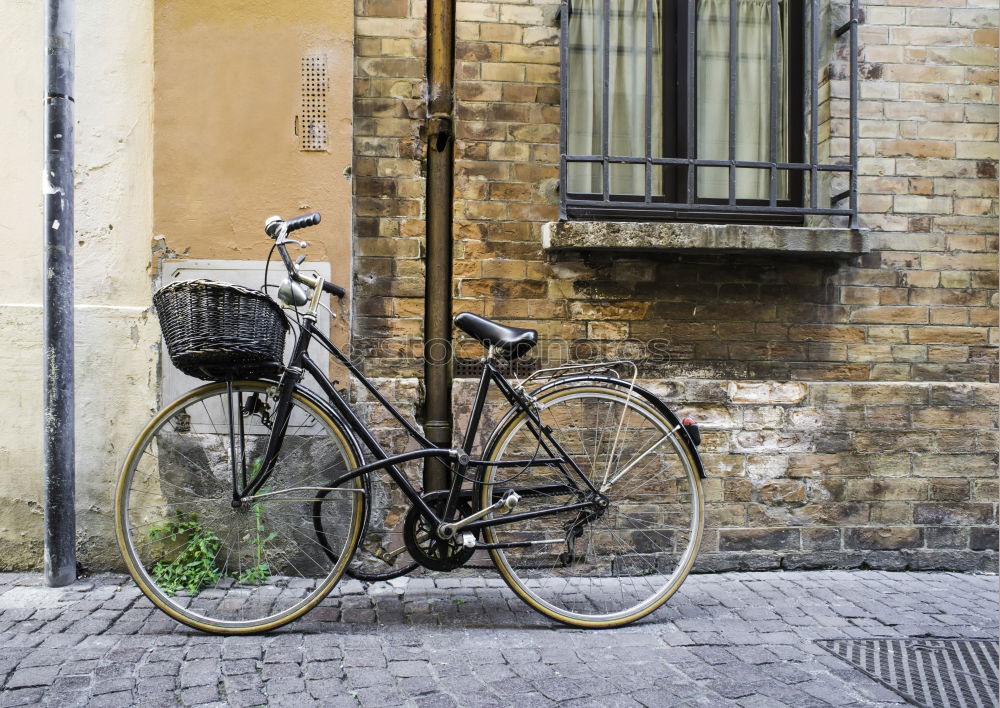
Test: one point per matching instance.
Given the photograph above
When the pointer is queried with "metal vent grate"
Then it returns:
(473, 368)
(936, 673)
(312, 128)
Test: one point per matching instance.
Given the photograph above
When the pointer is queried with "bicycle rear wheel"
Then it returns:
(616, 560)
(263, 562)
(381, 553)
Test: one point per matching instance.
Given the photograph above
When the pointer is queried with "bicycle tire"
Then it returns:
(375, 532)
(240, 570)
(383, 532)
(636, 553)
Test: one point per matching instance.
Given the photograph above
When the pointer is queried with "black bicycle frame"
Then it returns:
(300, 363)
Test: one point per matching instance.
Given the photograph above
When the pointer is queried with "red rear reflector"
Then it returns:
(687, 421)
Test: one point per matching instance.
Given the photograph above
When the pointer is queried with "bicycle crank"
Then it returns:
(426, 547)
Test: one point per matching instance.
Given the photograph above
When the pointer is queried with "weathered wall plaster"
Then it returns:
(227, 157)
(115, 333)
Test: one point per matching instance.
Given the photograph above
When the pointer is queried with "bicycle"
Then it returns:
(241, 504)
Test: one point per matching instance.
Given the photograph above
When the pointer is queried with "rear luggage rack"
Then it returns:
(622, 369)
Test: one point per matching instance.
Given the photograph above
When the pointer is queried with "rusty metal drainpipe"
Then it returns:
(59, 446)
(437, 291)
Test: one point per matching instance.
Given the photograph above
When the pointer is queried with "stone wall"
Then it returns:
(848, 408)
(807, 475)
(389, 87)
(813, 475)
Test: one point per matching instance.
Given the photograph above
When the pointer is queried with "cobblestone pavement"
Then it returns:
(744, 639)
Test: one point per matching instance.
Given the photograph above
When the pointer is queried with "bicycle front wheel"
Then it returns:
(614, 561)
(242, 567)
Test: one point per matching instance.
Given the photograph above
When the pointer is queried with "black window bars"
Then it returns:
(820, 144)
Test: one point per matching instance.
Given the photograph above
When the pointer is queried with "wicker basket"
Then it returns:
(218, 331)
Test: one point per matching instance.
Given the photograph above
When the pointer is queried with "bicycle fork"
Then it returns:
(282, 414)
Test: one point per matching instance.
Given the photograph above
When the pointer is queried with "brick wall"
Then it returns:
(849, 406)
(388, 182)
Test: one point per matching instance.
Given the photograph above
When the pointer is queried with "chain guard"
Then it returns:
(432, 552)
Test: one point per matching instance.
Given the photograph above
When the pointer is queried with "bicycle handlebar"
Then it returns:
(302, 222)
(333, 289)
(278, 229)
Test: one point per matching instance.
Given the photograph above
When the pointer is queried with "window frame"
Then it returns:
(680, 203)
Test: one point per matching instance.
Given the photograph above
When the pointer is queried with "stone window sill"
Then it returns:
(705, 238)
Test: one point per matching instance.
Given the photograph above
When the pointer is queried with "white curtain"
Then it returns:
(753, 97)
(585, 113)
(627, 93)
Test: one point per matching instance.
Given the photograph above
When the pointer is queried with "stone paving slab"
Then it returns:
(741, 639)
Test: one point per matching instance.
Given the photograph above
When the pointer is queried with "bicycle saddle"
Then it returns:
(513, 342)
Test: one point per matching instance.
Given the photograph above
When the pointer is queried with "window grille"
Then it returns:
(659, 123)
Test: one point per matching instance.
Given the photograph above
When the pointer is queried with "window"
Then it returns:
(659, 123)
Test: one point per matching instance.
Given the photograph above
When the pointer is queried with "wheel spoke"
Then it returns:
(629, 556)
(260, 564)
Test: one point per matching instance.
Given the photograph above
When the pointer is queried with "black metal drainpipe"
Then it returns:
(437, 292)
(57, 299)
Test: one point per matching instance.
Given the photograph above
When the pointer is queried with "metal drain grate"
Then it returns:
(936, 673)
(313, 129)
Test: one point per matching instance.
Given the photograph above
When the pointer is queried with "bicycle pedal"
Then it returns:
(509, 501)
(468, 540)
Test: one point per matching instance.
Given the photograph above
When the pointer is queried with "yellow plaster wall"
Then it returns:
(227, 93)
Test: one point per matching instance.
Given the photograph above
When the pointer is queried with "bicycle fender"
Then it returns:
(329, 410)
(647, 395)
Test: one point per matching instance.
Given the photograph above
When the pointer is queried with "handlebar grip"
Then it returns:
(301, 222)
(333, 289)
